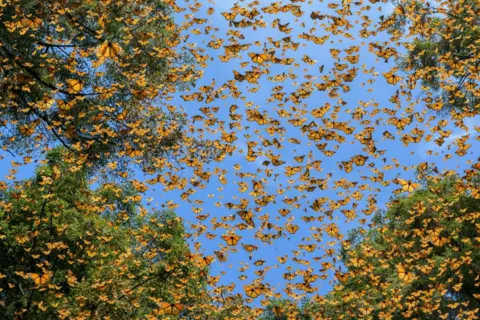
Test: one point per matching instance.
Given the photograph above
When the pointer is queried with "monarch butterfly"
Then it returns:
(40, 279)
(284, 27)
(231, 239)
(332, 230)
(277, 312)
(238, 76)
(408, 186)
(340, 66)
(108, 50)
(283, 259)
(476, 166)
(437, 239)
(391, 77)
(241, 24)
(222, 257)
(229, 137)
(26, 130)
(259, 57)
(123, 115)
(131, 152)
(171, 308)
(328, 153)
(207, 260)
(297, 122)
(308, 277)
(360, 160)
(342, 277)
(229, 16)
(249, 247)
(74, 85)
(308, 247)
(349, 214)
(315, 15)
(317, 203)
(247, 216)
(253, 291)
(236, 48)
(284, 212)
(289, 276)
(250, 14)
(290, 171)
(264, 237)
(65, 105)
(352, 59)
(320, 112)
(292, 228)
(401, 123)
(260, 262)
(252, 77)
(403, 274)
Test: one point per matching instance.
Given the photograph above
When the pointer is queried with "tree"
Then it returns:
(420, 259)
(93, 76)
(284, 309)
(444, 50)
(71, 252)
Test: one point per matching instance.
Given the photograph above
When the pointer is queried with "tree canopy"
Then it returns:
(419, 259)
(444, 52)
(92, 76)
(69, 251)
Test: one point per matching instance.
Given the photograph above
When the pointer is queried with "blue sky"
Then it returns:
(364, 95)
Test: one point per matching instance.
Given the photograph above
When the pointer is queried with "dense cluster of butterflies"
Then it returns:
(305, 144)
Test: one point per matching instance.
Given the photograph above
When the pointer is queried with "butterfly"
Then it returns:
(131, 152)
(277, 312)
(171, 308)
(349, 214)
(222, 257)
(404, 275)
(342, 277)
(284, 27)
(250, 14)
(437, 239)
(359, 160)
(259, 57)
(40, 279)
(229, 16)
(284, 212)
(292, 228)
(108, 50)
(309, 247)
(249, 247)
(229, 137)
(74, 85)
(247, 216)
(317, 203)
(30, 23)
(253, 291)
(282, 259)
(408, 186)
(231, 239)
(391, 77)
(26, 130)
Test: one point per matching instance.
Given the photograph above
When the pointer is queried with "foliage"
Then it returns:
(444, 51)
(72, 252)
(420, 258)
(284, 309)
(90, 75)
